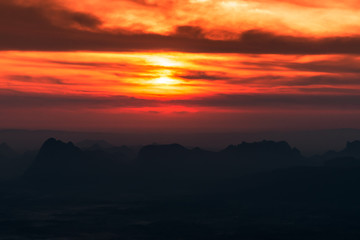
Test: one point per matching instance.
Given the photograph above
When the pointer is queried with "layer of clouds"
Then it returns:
(278, 101)
(31, 79)
(50, 28)
(333, 64)
(17, 99)
(201, 75)
(266, 102)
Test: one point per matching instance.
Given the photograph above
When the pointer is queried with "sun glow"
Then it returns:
(165, 81)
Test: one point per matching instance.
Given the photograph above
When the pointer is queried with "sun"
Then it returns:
(161, 81)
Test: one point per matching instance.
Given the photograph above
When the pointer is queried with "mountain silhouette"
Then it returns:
(171, 192)
(352, 149)
(264, 154)
(59, 161)
(232, 161)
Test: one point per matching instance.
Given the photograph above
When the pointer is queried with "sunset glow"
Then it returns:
(193, 64)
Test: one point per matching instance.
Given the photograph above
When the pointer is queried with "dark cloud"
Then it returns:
(145, 3)
(75, 64)
(267, 102)
(35, 27)
(277, 101)
(88, 64)
(341, 64)
(13, 99)
(189, 32)
(322, 80)
(78, 18)
(27, 78)
(200, 75)
(329, 90)
(278, 80)
(42, 17)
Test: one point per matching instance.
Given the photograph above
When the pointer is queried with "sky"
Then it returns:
(179, 65)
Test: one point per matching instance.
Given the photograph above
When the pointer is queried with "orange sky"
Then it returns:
(191, 64)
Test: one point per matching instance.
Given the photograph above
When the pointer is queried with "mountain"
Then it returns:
(59, 161)
(263, 154)
(352, 149)
(232, 161)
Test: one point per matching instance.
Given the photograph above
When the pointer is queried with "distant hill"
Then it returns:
(232, 161)
(309, 142)
(352, 149)
(59, 161)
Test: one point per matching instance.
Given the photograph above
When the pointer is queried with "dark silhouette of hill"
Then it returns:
(352, 149)
(309, 142)
(260, 190)
(232, 161)
(264, 155)
(64, 162)
(56, 159)
(167, 168)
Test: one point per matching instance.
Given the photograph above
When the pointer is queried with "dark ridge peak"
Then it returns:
(197, 149)
(54, 142)
(263, 150)
(353, 146)
(57, 148)
(59, 161)
(265, 144)
(50, 141)
(352, 149)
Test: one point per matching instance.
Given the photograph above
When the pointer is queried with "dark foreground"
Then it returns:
(152, 199)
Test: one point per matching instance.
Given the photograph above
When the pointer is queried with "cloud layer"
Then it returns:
(51, 27)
